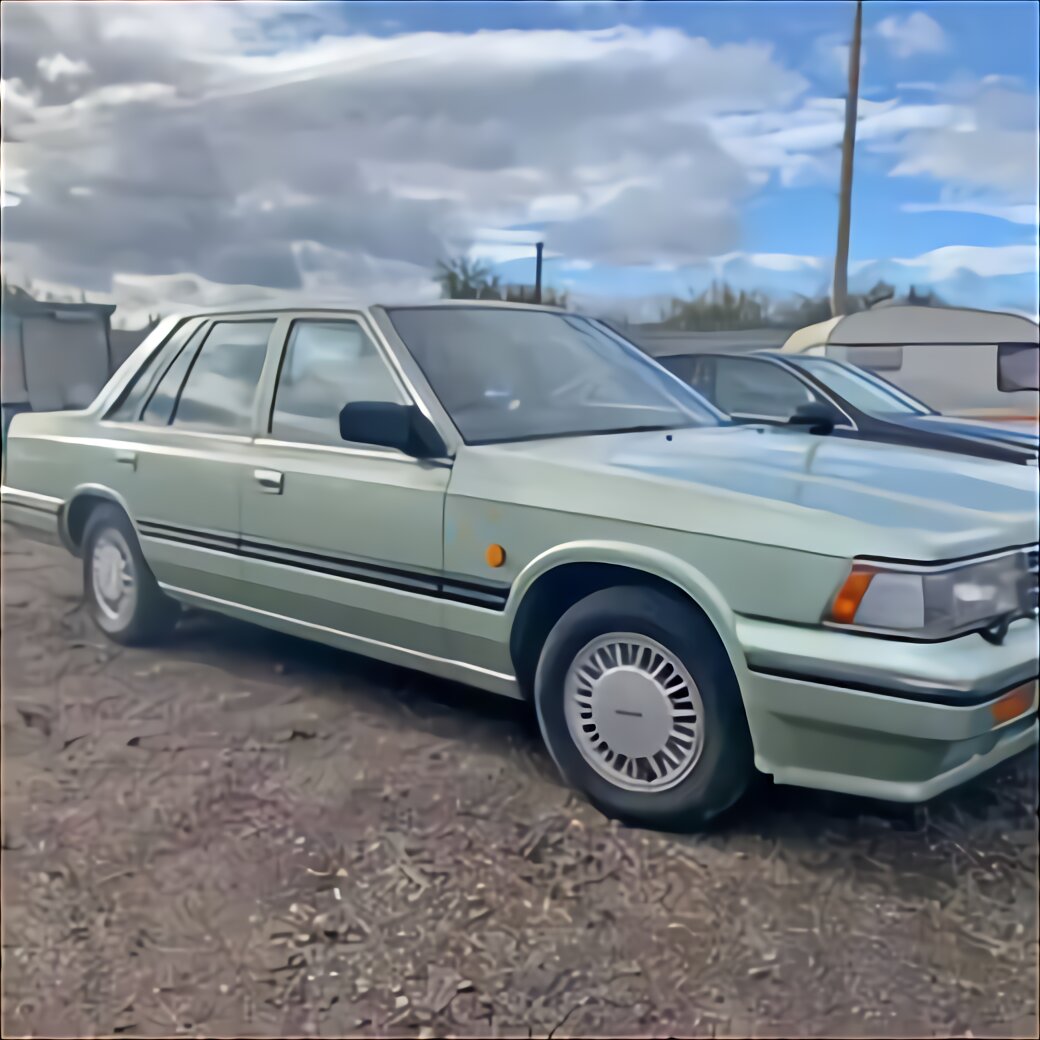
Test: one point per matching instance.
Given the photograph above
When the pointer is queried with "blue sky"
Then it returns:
(298, 148)
(981, 39)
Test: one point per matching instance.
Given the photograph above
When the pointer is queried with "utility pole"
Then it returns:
(840, 284)
(538, 273)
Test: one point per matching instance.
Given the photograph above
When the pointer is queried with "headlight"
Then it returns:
(935, 602)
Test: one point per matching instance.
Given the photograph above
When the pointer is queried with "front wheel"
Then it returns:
(641, 710)
(120, 590)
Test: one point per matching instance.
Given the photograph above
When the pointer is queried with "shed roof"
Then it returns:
(912, 325)
(19, 303)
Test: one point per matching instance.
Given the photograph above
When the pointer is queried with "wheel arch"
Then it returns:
(554, 581)
(81, 503)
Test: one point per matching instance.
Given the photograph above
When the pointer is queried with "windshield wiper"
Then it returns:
(567, 434)
(649, 428)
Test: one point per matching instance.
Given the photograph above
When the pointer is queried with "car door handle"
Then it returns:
(270, 480)
(128, 458)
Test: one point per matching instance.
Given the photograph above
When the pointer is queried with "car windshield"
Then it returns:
(862, 389)
(507, 374)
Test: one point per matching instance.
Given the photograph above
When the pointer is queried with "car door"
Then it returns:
(181, 438)
(341, 536)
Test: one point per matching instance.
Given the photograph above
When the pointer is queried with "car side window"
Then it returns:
(680, 365)
(326, 365)
(128, 407)
(752, 388)
(220, 389)
(701, 377)
(160, 405)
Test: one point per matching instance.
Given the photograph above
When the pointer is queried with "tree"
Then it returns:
(464, 279)
(525, 294)
(718, 307)
(811, 309)
(806, 310)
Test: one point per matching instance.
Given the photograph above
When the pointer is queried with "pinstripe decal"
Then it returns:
(458, 590)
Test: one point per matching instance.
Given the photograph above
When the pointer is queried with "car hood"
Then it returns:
(1020, 434)
(772, 485)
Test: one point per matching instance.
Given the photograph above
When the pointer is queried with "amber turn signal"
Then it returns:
(495, 555)
(1013, 704)
(847, 602)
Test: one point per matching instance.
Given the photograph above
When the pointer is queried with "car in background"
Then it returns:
(948, 356)
(516, 498)
(844, 400)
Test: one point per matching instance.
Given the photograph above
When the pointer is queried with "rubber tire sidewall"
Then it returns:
(155, 614)
(726, 763)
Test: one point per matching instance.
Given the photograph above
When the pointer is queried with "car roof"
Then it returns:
(265, 306)
(770, 354)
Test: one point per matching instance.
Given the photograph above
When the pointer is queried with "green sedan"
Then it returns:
(518, 499)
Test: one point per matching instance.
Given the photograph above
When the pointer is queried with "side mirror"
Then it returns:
(1018, 367)
(817, 416)
(389, 425)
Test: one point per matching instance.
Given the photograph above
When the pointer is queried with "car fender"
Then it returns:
(662, 565)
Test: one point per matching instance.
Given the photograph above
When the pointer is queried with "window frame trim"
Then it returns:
(204, 329)
(248, 432)
(145, 373)
(265, 426)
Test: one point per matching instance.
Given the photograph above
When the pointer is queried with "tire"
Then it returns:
(692, 711)
(120, 591)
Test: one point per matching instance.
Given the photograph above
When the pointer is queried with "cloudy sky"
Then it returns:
(168, 154)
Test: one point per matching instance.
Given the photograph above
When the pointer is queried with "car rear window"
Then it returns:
(220, 388)
(160, 405)
(128, 406)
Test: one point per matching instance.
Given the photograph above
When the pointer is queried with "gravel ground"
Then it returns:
(242, 833)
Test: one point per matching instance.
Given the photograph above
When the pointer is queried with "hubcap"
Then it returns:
(634, 712)
(112, 571)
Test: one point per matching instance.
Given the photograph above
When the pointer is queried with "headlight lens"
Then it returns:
(934, 602)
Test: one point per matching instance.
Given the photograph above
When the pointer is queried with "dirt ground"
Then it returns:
(245, 834)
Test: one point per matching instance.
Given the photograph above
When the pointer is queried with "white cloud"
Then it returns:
(555, 207)
(987, 261)
(986, 142)
(57, 66)
(343, 279)
(1025, 213)
(785, 261)
(916, 33)
(502, 245)
(925, 86)
(223, 142)
(830, 58)
(217, 142)
(803, 144)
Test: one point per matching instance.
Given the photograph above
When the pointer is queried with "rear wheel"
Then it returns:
(640, 708)
(121, 592)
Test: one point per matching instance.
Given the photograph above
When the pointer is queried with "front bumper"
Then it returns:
(884, 719)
